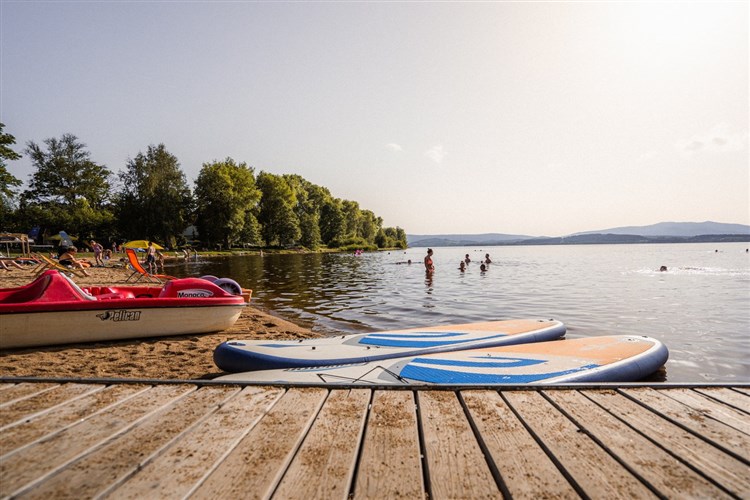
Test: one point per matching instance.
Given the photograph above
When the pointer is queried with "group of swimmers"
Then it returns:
(483, 264)
(430, 266)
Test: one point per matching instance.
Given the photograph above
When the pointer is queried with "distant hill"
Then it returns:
(463, 240)
(663, 232)
(684, 229)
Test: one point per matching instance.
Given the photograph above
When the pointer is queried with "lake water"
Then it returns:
(699, 307)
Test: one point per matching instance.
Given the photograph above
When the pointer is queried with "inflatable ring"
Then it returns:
(210, 278)
(229, 286)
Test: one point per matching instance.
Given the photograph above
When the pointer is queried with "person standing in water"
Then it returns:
(429, 266)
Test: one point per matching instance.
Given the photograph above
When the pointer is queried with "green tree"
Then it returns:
(279, 222)
(310, 198)
(368, 226)
(65, 173)
(155, 201)
(251, 230)
(352, 214)
(332, 225)
(68, 190)
(8, 182)
(224, 194)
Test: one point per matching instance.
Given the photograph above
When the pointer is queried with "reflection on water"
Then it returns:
(699, 307)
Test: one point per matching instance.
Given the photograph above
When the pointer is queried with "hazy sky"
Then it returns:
(524, 118)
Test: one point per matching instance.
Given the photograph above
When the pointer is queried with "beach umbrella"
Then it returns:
(141, 244)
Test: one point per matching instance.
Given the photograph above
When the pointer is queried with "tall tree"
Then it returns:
(309, 201)
(279, 222)
(8, 182)
(65, 173)
(155, 201)
(352, 214)
(68, 190)
(369, 225)
(332, 224)
(224, 194)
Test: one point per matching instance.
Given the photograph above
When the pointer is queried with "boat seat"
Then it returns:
(107, 293)
(115, 295)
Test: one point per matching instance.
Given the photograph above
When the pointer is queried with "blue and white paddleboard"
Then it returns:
(618, 358)
(246, 355)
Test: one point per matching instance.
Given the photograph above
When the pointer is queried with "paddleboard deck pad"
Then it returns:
(247, 355)
(617, 358)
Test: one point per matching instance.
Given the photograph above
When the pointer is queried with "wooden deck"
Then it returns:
(83, 439)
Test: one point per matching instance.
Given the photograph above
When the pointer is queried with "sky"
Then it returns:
(530, 118)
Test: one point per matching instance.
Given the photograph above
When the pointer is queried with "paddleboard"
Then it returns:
(618, 358)
(246, 355)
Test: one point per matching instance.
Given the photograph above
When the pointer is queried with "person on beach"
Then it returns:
(482, 267)
(159, 260)
(429, 266)
(98, 251)
(4, 264)
(151, 257)
(68, 258)
(487, 259)
(462, 266)
(467, 259)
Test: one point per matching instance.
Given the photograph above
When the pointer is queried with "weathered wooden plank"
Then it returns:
(526, 470)
(716, 465)
(456, 465)
(390, 465)
(595, 472)
(728, 396)
(743, 390)
(21, 391)
(254, 467)
(35, 462)
(25, 408)
(50, 423)
(712, 409)
(670, 477)
(694, 419)
(5, 385)
(99, 470)
(194, 455)
(324, 464)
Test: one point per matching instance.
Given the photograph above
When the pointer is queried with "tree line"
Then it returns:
(229, 204)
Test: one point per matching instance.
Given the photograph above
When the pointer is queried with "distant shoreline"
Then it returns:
(589, 239)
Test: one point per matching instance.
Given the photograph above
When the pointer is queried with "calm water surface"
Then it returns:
(700, 307)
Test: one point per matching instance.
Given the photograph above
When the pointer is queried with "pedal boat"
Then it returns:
(53, 309)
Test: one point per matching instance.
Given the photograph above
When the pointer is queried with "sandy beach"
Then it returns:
(186, 357)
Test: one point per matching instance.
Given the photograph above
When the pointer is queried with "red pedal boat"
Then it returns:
(55, 310)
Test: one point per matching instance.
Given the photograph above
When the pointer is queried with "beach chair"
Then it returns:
(140, 273)
(46, 263)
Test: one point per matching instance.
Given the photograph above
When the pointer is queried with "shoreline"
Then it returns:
(184, 357)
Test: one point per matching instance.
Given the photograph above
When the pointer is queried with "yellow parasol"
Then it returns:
(141, 244)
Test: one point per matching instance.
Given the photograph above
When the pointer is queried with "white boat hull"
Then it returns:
(100, 325)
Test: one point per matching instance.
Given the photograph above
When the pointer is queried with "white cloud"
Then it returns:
(435, 153)
(719, 139)
(394, 147)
